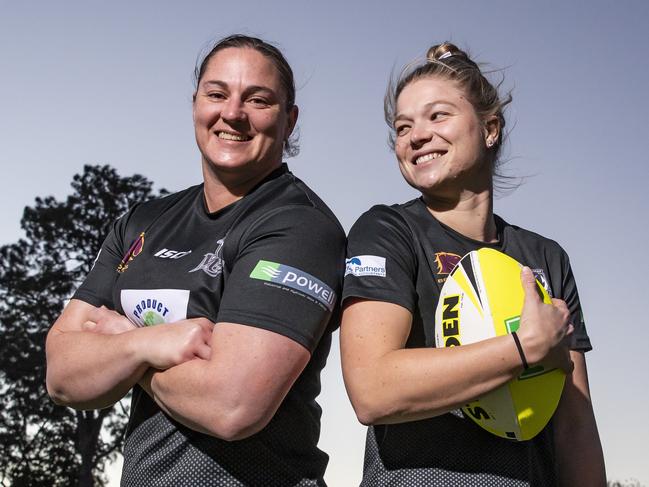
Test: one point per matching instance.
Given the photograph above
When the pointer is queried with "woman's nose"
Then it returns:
(233, 110)
(420, 134)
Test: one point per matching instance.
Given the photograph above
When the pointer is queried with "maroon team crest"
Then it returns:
(446, 261)
(133, 251)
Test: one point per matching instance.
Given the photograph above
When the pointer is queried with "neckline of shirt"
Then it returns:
(499, 244)
(205, 214)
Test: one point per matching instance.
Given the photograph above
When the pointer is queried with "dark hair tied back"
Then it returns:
(275, 56)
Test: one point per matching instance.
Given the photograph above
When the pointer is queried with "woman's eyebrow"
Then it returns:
(427, 106)
(216, 82)
(248, 89)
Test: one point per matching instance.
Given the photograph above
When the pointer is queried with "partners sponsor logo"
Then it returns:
(294, 280)
(212, 263)
(446, 262)
(171, 254)
(540, 276)
(133, 251)
(365, 265)
(148, 307)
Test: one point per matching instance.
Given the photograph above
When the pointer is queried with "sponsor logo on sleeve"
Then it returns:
(296, 281)
(365, 265)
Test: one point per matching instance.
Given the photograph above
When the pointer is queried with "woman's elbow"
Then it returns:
(61, 397)
(57, 395)
(54, 377)
(367, 417)
(65, 396)
(56, 388)
(369, 408)
(235, 432)
(238, 424)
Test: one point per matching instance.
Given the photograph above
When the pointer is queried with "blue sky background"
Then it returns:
(110, 83)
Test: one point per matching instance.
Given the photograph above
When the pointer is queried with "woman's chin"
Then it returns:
(424, 185)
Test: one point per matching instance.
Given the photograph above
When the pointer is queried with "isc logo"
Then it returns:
(171, 254)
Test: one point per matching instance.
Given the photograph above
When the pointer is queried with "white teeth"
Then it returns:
(428, 157)
(228, 136)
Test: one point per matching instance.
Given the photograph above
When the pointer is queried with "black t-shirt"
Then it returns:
(272, 260)
(403, 255)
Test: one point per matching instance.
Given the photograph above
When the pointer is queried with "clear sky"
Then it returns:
(110, 83)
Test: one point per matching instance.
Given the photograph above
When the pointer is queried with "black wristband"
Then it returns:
(520, 350)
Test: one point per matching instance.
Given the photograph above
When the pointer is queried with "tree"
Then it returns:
(42, 444)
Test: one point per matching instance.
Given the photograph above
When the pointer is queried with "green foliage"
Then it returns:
(42, 444)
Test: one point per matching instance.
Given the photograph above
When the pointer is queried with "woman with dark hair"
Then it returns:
(217, 303)
(447, 123)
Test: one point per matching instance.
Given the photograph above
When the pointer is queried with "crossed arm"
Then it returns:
(194, 370)
(237, 391)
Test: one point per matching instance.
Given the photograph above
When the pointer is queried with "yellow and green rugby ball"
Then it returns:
(483, 298)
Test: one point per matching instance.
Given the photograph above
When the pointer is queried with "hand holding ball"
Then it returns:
(483, 297)
(545, 329)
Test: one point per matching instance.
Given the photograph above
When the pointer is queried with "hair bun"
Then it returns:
(445, 50)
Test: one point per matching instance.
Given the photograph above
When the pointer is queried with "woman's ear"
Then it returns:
(292, 120)
(492, 130)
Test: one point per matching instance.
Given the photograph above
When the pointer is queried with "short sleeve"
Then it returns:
(97, 288)
(381, 262)
(287, 274)
(580, 338)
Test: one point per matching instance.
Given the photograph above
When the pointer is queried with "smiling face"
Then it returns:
(441, 142)
(240, 116)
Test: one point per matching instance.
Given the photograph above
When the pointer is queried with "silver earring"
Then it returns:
(490, 143)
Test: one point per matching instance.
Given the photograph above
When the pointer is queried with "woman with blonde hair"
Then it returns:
(447, 125)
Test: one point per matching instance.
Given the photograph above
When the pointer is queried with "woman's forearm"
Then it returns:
(94, 355)
(389, 383)
(413, 384)
(88, 370)
(232, 395)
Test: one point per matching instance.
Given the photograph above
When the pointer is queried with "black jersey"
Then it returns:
(403, 255)
(273, 260)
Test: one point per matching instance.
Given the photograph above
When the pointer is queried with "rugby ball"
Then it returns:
(483, 298)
